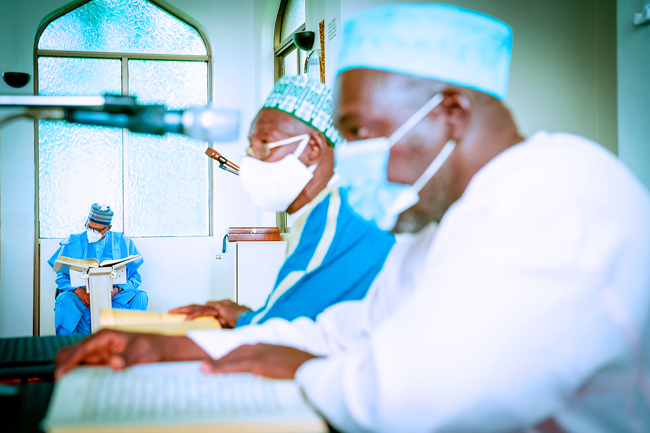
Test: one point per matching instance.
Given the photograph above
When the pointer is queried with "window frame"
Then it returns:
(124, 59)
(281, 48)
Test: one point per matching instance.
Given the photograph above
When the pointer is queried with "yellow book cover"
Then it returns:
(153, 323)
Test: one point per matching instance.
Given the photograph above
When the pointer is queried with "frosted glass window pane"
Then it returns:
(169, 181)
(291, 64)
(134, 26)
(61, 76)
(169, 186)
(293, 17)
(78, 166)
(177, 85)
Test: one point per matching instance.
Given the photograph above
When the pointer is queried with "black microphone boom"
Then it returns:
(203, 123)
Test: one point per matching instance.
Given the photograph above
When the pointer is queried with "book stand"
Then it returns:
(99, 284)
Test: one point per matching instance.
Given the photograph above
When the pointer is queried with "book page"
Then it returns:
(80, 265)
(107, 263)
(169, 395)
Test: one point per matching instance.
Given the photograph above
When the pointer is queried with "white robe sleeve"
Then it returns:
(508, 323)
(331, 331)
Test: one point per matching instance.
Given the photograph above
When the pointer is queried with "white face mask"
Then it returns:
(93, 236)
(275, 185)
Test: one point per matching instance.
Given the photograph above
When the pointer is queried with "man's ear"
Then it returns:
(457, 106)
(109, 227)
(315, 149)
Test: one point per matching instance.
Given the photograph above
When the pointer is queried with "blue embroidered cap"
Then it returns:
(441, 42)
(100, 214)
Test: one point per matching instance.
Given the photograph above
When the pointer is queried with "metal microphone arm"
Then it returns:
(203, 123)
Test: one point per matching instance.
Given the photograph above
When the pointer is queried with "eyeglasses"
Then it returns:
(264, 150)
(98, 231)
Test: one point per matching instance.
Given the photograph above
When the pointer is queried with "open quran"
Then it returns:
(80, 265)
(175, 397)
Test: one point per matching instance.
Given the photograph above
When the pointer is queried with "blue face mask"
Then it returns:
(362, 169)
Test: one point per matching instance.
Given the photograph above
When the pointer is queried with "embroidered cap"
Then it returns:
(309, 101)
(100, 214)
(441, 42)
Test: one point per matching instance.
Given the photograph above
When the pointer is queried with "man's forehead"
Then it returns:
(270, 122)
(373, 92)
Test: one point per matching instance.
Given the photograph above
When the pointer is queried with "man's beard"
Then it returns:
(435, 198)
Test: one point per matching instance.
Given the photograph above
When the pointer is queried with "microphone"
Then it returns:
(224, 164)
(204, 123)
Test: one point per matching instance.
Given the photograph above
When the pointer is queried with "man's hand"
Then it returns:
(83, 295)
(267, 360)
(195, 310)
(225, 311)
(115, 291)
(123, 349)
(229, 312)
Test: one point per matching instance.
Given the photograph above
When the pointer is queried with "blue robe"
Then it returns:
(333, 256)
(71, 316)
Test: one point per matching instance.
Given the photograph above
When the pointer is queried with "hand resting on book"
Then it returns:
(225, 311)
(123, 349)
(267, 360)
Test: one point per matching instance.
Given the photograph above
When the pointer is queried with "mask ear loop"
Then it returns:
(288, 141)
(303, 144)
(434, 166)
(299, 150)
(415, 119)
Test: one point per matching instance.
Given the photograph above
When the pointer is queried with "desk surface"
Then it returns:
(24, 411)
(23, 407)
(25, 357)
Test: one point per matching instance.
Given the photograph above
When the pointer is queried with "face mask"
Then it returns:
(275, 185)
(362, 169)
(93, 236)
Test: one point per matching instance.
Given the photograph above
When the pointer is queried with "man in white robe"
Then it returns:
(525, 309)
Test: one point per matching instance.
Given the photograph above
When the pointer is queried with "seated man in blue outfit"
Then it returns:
(72, 307)
(333, 255)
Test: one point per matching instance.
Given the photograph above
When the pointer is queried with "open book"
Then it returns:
(156, 323)
(176, 396)
(66, 263)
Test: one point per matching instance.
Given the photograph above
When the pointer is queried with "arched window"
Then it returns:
(291, 19)
(157, 186)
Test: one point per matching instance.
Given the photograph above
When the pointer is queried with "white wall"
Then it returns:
(634, 89)
(563, 75)
(231, 28)
(18, 24)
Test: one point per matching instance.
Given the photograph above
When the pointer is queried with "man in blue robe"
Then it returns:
(72, 307)
(333, 255)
